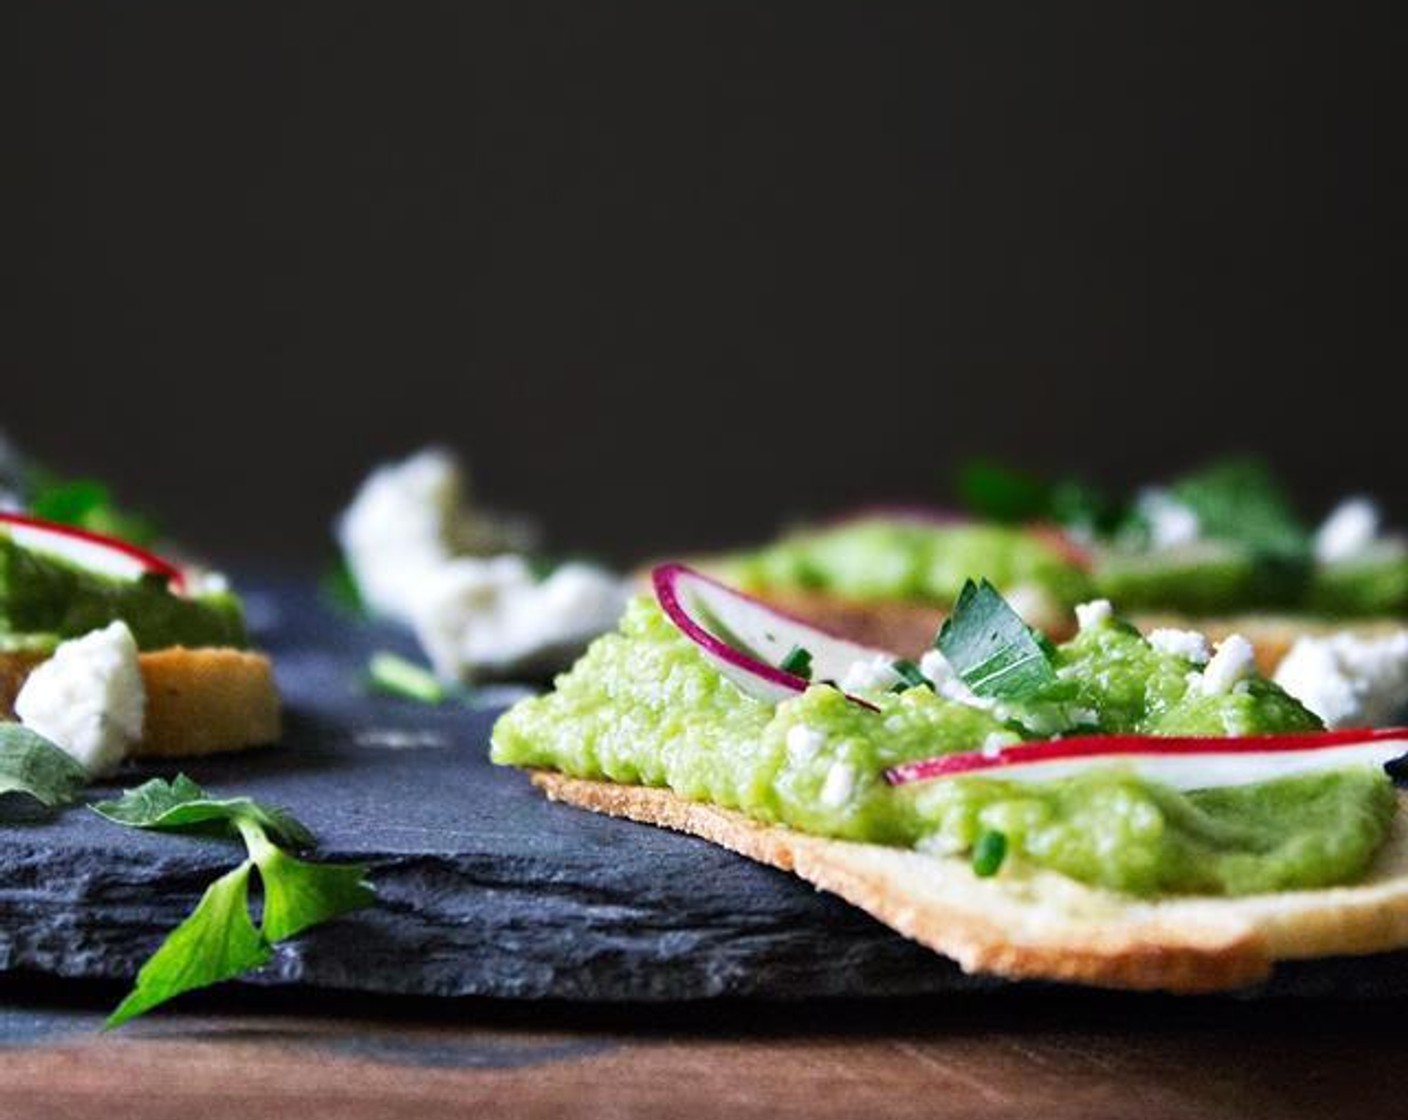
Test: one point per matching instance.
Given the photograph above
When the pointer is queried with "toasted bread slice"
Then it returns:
(199, 701)
(203, 701)
(1037, 924)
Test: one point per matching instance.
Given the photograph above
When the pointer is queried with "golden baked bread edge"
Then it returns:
(1041, 925)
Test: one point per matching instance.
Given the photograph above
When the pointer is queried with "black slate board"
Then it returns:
(485, 889)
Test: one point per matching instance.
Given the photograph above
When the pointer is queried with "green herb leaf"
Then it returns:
(396, 676)
(182, 805)
(298, 894)
(911, 676)
(992, 650)
(1237, 500)
(798, 662)
(1001, 493)
(217, 942)
(32, 765)
(220, 941)
(989, 853)
(87, 504)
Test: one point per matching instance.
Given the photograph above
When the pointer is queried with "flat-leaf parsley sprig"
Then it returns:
(220, 939)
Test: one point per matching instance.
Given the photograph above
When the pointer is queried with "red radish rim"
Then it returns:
(1107, 746)
(664, 578)
(148, 560)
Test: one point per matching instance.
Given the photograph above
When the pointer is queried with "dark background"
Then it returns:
(668, 274)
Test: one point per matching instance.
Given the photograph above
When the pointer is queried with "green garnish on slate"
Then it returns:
(395, 675)
(31, 765)
(798, 662)
(992, 650)
(220, 940)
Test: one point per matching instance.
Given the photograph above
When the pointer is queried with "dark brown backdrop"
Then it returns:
(666, 273)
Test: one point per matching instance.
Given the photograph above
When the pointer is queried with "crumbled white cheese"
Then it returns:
(88, 699)
(1093, 614)
(947, 684)
(1234, 662)
(204, 581)
(935, 666)
(1188, 644)
(417, 550)
(1351, 528)
(803, 743)
(476, 615)
(1348, 680)
(839, 785)
(994, 743)
(870, 674)
(409, 518)
(1171, 523)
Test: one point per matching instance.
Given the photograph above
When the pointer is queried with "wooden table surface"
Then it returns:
(1038, 1056)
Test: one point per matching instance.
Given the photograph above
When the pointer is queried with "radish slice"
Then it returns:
(745, 639)
(92, 552)
(1183, 763)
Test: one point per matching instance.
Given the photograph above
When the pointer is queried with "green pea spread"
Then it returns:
(883, 558)
(878, 558)
(45, 599)
(644, 706)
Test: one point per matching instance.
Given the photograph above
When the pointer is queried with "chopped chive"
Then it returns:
(988, 853)
(911, 676)
(392, 673)
(798, 662)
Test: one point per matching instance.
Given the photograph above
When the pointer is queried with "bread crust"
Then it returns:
(1026, 923)
(199, 701)
(207, 701)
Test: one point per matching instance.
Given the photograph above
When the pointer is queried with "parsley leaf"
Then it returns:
(181, 805)
(1237, 500)
(220, 940)
(298, 894)
(87, 504)
(32, 765)
(1001, 493)
(217, 942)
(992, 650)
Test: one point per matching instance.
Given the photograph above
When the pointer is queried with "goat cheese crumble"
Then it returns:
(422, 555)
(88, 699)
(1348, 680)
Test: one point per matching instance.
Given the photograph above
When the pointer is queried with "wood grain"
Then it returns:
(1057, 1058)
